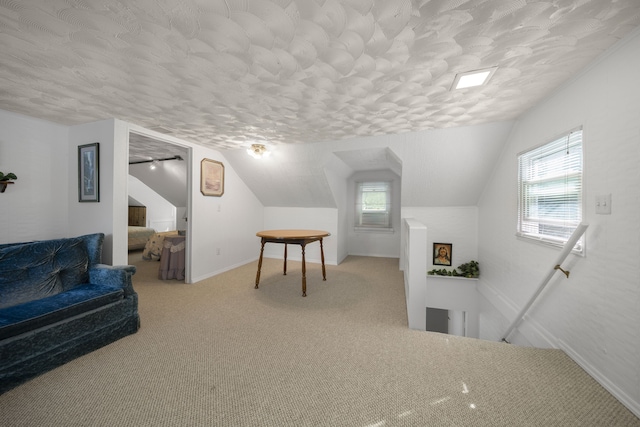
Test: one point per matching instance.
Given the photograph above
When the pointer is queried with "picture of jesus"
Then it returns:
(442, 253)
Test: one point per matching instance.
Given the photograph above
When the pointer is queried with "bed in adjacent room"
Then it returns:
(138, 237)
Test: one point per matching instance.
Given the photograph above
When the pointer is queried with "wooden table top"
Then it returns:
(293, 234)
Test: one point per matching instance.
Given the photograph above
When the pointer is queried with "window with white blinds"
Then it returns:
(550, 191)
(373, 205)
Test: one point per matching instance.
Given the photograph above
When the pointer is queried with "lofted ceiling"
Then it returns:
(169, 178)
(226, 73)
(143, 148)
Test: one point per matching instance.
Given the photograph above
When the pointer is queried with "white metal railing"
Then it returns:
(568, 247)
(414, 265)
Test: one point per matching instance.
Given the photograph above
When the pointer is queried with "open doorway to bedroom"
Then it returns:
(158, 207)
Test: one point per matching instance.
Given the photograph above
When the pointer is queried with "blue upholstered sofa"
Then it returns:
(57, 302)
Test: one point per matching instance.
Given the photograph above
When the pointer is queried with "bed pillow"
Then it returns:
(153, 248)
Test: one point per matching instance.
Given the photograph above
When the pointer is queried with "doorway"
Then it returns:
(158, 182)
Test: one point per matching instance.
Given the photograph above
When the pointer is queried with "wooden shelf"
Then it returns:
(3, 185)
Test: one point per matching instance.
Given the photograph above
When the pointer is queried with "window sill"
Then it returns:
(373, 230)
(550, 244)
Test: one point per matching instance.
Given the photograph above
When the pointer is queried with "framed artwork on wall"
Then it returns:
(442, 253)
(89, 172)
(211, 178)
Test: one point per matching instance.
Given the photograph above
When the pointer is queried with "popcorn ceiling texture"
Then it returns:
(225, 73)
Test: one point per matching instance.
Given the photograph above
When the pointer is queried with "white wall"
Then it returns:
(35, 207)
(301, 218)
(221, 230)
(594, 314)
(229, 223)
(159, 210)
(102, 216)
(168, 179)
(457, 225)
(374, 243)
(43, 204)
(44, 156)
(337, 173)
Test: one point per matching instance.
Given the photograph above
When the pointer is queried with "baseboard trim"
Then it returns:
(222, 270)
(534, 333)
(538, 336)
(623, 397)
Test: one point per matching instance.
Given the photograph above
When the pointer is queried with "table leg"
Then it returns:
(304, 273)
(324, 272)
(285, 260)
(260, 264)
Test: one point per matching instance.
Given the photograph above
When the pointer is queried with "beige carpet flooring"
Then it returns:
(221, 353)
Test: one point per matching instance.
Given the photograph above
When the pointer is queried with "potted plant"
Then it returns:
(470, 269)
(6, 180)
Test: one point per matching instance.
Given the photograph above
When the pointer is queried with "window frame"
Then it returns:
(543, 157)
(388, 211)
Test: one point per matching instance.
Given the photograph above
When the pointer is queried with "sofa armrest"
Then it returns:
(113, 275)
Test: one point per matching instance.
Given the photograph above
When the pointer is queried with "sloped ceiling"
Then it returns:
(371, 159)
(169, 178)
(225, 73)
(320, 74)
(443, 167)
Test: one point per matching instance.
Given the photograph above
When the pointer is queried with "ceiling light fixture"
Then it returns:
(473, 78)
(258, 151)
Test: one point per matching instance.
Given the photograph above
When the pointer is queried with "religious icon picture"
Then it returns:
(442, 254)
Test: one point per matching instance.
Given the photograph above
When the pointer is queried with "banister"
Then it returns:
(578, 232)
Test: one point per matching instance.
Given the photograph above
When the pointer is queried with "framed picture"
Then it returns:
(89, 172)
(211, 178)
(442, 253)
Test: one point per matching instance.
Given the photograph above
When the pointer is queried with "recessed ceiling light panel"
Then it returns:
(473, 78)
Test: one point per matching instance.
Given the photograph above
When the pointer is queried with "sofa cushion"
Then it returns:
(35, 270)
(26, 317)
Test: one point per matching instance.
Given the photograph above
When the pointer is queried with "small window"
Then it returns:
(373, 205)
(550, 191)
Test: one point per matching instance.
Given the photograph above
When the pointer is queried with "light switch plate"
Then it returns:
(603, 204)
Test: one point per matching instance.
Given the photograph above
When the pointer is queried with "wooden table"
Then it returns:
(294, 237)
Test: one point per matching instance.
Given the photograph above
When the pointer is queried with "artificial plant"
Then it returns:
(8, 176)
(470, 269)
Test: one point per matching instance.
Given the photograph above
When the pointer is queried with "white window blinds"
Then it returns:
(550, 190)
(373, 206)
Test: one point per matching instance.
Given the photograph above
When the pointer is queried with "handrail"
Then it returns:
(578, 232)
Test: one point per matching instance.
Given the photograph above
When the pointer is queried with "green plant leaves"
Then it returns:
(7, 177)
(470, 269)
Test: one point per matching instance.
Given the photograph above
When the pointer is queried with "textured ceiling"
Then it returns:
(225, 73)
(143, 148)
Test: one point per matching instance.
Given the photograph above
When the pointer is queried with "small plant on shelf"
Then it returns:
(8, 177)
(6, 180)
(470, 270)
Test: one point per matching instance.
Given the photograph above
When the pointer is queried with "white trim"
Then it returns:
(538, 336)
(373, 229)
(624, 398)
